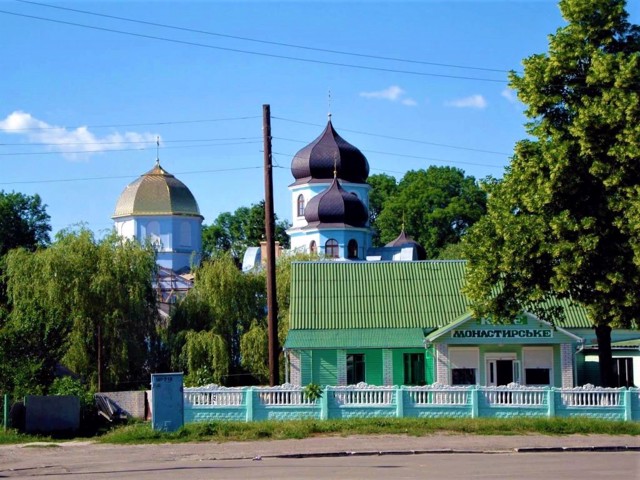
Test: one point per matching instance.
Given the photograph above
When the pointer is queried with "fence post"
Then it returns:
(399, 402)
(5, 411)
(248, 403)
(626, 397)
(324, 404)
(474, 401)
(551, 402)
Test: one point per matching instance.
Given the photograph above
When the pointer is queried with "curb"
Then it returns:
(370, 453)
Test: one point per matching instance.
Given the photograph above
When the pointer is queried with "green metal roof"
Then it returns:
(634, 343)
(327, 295)
(356, 338)
(365, 295)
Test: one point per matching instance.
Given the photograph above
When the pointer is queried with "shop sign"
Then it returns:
(503, 333)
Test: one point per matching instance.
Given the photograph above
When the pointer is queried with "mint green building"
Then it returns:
(408, 323)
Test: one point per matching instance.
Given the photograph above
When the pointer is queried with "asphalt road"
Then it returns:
(375, 457)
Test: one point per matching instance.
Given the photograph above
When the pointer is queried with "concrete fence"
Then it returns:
(287, 402)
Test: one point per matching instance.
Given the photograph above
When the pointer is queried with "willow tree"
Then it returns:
(83, 303)
(563, 222)
(223, 301)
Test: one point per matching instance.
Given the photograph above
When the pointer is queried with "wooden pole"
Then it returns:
(272, 304)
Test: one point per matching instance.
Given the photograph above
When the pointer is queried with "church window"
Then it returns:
(153, 233)
(313, 247)
(300, 205)
(331, 248)
(185, 234)
(352, 249)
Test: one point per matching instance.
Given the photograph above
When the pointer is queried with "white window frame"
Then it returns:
(526, 365)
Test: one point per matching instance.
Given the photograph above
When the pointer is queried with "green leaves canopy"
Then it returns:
(436, 207)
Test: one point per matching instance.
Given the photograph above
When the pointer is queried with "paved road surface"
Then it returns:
(370, 457)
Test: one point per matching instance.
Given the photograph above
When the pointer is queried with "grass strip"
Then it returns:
(222, 431)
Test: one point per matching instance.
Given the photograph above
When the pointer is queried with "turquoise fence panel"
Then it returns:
(287, 402)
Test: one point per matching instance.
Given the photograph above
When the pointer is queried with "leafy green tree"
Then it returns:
(24, 222)
(564, 220)
(76, 299)
(436, 207)
(383, 187)
(224, 302)
(206, 358)
(235, 232)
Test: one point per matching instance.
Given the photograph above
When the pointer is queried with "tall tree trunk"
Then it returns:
(605, 361)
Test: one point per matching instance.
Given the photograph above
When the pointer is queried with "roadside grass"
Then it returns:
(223, 431)
(12, 436)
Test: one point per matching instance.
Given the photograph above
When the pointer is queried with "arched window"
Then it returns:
(300, 205)
(313, 247)
(185, 234)
(153, 233)
(352, 249)
(331, 249)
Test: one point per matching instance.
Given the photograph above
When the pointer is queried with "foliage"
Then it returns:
(564, 220)
(234, 232)
(435, 206)
(383, 187)
(223, 301)
(24, 222)
(72, 296)
(72, 386)
(313, 391)
(254, 351)
(206, 358)
(224, 431)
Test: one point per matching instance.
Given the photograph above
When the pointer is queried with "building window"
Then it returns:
(352, 249)
(623, 372)
(355, 368)
(463, 376)
(331, 249)
(300, 205)
(464, 363)
(185, 234)
(313, 247)
(153, 233)
(538, 365)
(414, 369)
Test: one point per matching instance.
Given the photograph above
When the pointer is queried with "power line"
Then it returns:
(412, 140)
(126, 142)
(115, 177)
(62, 152)
(176, 122)
(266, 42)
(249, 52)
(431, 159)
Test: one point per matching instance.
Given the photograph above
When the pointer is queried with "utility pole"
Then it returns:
(272, 303)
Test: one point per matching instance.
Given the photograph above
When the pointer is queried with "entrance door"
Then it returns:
(501, 371)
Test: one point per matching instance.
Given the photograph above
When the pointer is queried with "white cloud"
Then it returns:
(510, 95)
(394, 94)
(473, 101)
(69, 142)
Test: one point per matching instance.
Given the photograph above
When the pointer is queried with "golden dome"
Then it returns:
(156, 192)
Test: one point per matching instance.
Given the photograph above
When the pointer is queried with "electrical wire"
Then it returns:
(126, 142)
(176, 122)
(117, 177)
(249, 52)
(62, 152)
(266, 42)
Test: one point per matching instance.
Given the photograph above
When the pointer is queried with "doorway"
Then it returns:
(502, 369)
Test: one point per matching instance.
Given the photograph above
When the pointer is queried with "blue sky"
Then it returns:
(77, 104)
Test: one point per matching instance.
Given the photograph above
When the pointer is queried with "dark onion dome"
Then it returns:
(156, 192)
(317, 160)
(336, 206)
(404, 240)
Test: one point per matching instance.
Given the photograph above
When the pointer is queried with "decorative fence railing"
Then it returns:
(430, 401)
